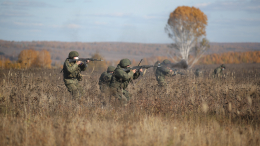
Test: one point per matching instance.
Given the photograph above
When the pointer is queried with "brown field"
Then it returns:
(36, 109)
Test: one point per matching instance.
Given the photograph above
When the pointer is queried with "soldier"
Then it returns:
(72, 76)
(219, 70)
(163, 71)
(121, 79)
(104, 82)
(105, 78)
(197, 73)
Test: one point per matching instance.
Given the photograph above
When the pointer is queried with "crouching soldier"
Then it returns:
(163, 71)
(105, 78)
(121, 79)
(219, 70)
(104, 82)
(72, 76)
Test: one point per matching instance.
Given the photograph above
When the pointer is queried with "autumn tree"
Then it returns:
(43, 59)
(27, 58)
(186, 26)
(31, 58)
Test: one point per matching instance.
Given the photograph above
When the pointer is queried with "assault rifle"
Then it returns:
(177, 72)
(139, 67)
(84, 60)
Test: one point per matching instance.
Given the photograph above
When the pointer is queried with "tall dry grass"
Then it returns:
(36, 109)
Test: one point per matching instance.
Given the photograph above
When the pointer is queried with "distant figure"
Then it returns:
(219, 70)
(72, 76)
(197, 73)
(163, 71)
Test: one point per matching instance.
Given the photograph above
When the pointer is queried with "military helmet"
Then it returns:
(73, 54)
(166, 62)
(223, 66)
(124, 62)
(111, 69)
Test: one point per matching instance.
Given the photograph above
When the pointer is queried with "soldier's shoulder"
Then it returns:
(163, 68)
(103, 74)
(118, 69)
(66, 60)
(69, 63)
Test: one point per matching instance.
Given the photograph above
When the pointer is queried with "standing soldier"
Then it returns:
(219, 70)
(121, 79)
(163, 71)
(72, 76)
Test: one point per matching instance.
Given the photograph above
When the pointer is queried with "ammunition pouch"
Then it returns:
(79, 77)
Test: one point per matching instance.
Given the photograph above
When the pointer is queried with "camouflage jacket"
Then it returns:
(160, 74)
(105, 79)
(218, 70)
(120, 79)
(71, 72)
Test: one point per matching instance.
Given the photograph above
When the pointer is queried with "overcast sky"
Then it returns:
(140, 21)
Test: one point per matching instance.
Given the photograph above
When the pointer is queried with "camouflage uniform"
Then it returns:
(72, 76)
(161, 72)
(120, 81)
(197, 72)
(105, 78)
(219, 70)
(104, 82)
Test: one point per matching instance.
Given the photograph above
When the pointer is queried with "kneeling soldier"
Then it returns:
(104, 82)
(105, 78)
(219, 70)
(163, 71)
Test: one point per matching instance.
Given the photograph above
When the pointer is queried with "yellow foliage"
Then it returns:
(231, 58)
(190, 18)
(28, 58)
(43, 59)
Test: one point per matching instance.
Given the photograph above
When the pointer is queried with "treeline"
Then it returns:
(42, 59)
(231, 58)
(27, 59)
(223, 58)
(111, 50)
(31, 58)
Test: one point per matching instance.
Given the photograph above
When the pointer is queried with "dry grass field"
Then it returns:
(36, 109)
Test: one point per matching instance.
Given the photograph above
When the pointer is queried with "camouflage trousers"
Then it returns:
(161, 81)
(104, 95)
(162, 88)
(122, 95)
(75, 90)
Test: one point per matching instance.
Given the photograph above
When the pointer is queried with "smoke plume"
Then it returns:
(181, 65)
